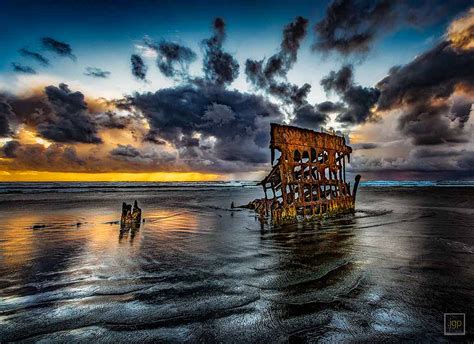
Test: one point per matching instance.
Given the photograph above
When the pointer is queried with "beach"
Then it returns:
(199, 271)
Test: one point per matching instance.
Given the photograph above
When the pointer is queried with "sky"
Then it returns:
(186, 90)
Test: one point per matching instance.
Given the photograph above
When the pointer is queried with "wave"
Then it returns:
(74, 187)
(105, 187)
(417, 183)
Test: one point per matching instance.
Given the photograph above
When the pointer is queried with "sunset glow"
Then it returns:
(35, 176)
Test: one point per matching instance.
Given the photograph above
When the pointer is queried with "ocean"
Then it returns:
(199, 271)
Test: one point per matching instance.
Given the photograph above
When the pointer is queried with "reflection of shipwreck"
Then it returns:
(309, 178)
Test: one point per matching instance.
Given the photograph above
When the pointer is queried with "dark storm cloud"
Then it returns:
(338, 81)
(431, 75)
(111, 120)
(6, 115)
(60, 48)
(330, 107)
(262, 73)
(55, 157)
(432, 93)
(96, 72)
(127, 151)
(130, 154)
(270, 75)
(358, 100)
(233, 127)
(9, 149)
(423, 89)
(139, 69)
(19, 68)
(4, 125)
(432, 96)
(172, 59)
(172, 54)
(218, 114)
(59, 115)
(71, 121)
(151, 137)
(461, 110)
(219, 67)
(290, 94)
(30, 110)
(293, 34)
(35, 56)
(307, 116)
(429, 124)
(212, 128)
(187, 141)
(351, 26)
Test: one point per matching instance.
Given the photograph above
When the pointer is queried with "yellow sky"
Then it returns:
(36, 176)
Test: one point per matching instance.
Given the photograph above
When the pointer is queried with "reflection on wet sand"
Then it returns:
(128, 234)
(198, 271)
(27, 236)
(314, 268)
(36, 243)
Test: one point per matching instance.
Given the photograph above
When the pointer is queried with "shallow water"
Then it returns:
(200, 271)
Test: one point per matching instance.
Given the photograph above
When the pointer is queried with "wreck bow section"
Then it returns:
(309, 177)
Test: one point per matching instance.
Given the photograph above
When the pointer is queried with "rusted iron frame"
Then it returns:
(292, 182)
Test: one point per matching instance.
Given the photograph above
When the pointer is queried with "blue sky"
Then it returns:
(422, 109)
(103, 34)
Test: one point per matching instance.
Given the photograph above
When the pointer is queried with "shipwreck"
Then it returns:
(308, 180)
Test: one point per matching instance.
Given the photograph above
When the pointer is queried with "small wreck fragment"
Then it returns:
(308, 180)
(131, 217)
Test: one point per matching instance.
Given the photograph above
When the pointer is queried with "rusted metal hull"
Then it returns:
(308, 180)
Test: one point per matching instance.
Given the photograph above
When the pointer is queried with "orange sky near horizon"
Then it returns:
(42, 176)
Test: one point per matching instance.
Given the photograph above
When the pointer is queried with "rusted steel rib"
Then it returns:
(308, 179)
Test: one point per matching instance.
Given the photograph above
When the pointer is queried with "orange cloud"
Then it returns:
(461, 31)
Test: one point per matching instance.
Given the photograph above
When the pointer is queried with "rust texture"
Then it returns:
(308, 179)
(131, 217)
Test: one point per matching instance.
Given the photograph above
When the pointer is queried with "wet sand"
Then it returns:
(198, 271)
